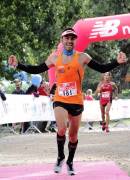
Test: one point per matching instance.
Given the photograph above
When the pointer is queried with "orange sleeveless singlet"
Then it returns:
(69, 78)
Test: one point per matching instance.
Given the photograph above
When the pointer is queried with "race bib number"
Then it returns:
(67, 89)
(106, 95)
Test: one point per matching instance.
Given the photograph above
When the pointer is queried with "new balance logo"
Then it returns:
(105, 28)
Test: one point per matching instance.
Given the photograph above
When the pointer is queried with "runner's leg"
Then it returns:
(61, 116)
(102, 108)
(107, 116)
(74, 123)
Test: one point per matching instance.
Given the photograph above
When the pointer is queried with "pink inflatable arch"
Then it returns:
(95, 30)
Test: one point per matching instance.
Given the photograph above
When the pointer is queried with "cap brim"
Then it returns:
(67, 33)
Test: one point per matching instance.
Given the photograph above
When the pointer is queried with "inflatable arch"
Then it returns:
(95, 30)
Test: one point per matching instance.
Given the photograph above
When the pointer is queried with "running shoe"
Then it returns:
(70, 169)
(107, 129)
(103, 126)
(58, 165)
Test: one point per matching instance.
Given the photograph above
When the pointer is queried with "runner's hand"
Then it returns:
(121, 58)
(12, 61)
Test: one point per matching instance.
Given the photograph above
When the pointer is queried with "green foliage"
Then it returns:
(31, 30)
(34, 24)
(126, 93)
(107, 51)
(91, 80)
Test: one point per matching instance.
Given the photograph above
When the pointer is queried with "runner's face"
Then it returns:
(107, 77)
(68, 42)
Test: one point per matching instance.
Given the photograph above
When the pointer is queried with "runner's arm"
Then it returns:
(121, 59)
(102, 67)
(33, 69)
(97, 91)
(13, 62)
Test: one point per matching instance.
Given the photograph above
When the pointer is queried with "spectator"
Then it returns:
(38, 87)
(18, 90)
(18, 87)
(89, 97)
(43, 90)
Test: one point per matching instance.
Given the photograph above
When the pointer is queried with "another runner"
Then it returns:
(106, 88)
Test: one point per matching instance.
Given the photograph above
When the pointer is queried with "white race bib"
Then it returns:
(106, 94)
(67, 89)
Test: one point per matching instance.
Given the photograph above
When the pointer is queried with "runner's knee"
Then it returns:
(73, 137)
(61, 131)
(107, 113)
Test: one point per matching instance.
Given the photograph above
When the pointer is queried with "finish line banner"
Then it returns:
(26, 108)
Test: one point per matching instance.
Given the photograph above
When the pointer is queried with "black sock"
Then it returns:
(72, 148)
(60, 145)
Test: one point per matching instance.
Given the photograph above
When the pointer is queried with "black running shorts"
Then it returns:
(73, 109)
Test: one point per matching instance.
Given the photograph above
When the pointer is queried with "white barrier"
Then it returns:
(120, 109)
(25, 108)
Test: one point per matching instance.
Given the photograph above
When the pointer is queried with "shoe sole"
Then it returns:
(103, 128)
(57, 169)
(70, 173)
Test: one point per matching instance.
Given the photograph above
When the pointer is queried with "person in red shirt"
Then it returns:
(38, 87)
(43, 90)
(106, 88)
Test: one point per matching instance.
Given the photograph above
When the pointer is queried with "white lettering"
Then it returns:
(126, 30)
(105, 29)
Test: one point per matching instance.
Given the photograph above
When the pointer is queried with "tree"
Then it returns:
(106, 51)
(31, 29)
